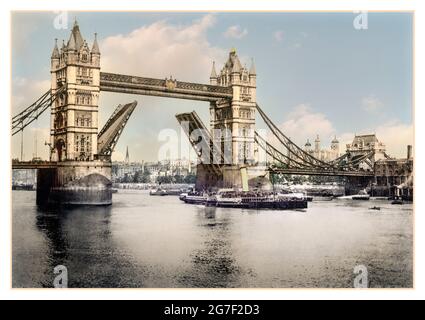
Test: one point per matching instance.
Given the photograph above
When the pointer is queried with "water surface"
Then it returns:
(147, 241)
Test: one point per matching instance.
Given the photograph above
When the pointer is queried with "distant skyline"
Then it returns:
(316, 73)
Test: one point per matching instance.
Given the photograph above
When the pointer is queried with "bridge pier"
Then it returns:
(75, 183)
(354, 184)
(231, 177)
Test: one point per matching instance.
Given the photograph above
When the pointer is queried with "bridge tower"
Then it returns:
(80, 176)
(238, 115)
(74, 116)
(234, 119)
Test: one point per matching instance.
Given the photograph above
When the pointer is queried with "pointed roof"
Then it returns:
(76, 40)
(213, 72)
(71, 43)
(335, 140)
(55, 53)
(252, 69)
(233, 64)
(95, 48)
(237, 66)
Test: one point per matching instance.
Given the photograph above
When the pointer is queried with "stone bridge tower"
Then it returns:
(74, 115)
(79, 177)
(235, 121)
(237, 117)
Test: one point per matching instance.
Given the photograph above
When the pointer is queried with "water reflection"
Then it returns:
(80, 239)
(213, 264)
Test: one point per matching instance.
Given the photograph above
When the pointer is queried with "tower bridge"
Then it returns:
(79, 168)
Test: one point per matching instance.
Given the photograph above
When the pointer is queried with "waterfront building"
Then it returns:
(395, 175)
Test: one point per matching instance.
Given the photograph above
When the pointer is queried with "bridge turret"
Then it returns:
(252, 73)
(55, 55)
(213, 76)
(95, 52)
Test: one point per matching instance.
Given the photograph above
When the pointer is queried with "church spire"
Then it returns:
(127, 156)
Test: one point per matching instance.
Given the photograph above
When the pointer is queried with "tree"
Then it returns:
(164, 179)
(190, 179)
(178, 178)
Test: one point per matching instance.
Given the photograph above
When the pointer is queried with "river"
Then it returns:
(159, 242)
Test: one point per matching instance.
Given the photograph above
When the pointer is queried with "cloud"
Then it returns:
(304, 123)
(278, 35)
(371, 104)
(162, 49)
(235, 32)
(396, 136)
(25, 91)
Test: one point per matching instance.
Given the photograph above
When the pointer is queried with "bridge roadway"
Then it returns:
(33, 164)
(170, 88)
(321, 172)
(306, 171)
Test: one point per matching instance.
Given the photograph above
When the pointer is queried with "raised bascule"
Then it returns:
(79, 168)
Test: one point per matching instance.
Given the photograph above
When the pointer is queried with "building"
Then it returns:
(322, 153)
(395, 176)
(367, 143)
(236, 120)
(126, 170)
(74, 124)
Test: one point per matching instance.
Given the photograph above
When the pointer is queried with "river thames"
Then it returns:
(160, 242)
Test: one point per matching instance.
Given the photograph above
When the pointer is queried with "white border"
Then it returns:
(217, 5)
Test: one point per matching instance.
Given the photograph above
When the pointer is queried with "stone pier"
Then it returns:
(75, 183)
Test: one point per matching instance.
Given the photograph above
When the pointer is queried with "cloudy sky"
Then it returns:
(316, 73)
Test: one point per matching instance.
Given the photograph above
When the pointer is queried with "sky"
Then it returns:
(316, 73)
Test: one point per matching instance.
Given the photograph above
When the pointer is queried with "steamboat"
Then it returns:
(247, 199)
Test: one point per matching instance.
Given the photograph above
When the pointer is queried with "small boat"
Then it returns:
(322, 198)
(362, 195)
(158, 192)
(195, 198)
(397, 201)
(375, 208)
